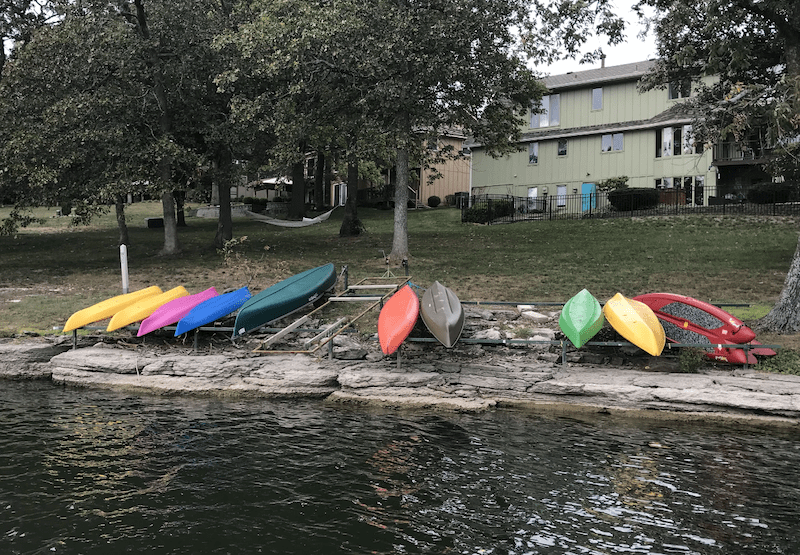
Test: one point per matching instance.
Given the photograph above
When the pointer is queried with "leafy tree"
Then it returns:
(752, 48)
(115, 94)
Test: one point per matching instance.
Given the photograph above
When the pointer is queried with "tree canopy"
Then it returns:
(751, 50)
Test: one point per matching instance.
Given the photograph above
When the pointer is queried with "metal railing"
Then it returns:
(495, 209)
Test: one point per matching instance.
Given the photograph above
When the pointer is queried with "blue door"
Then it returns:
(588, 196)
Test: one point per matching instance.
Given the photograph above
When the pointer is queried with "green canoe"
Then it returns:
(581, 318)
(283, 298)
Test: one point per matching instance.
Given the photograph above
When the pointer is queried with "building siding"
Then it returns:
(625, 110)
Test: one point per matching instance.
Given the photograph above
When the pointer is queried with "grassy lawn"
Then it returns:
(50, 270)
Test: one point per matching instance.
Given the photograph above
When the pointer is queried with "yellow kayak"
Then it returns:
(144, 308)
(636, 322)
(107, 308)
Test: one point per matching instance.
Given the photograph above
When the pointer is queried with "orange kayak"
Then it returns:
(397, 319)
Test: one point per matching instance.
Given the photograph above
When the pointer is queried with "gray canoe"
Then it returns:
(442, 313)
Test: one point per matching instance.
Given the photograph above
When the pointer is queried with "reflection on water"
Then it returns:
(85, 472)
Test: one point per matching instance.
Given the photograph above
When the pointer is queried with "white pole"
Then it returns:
(123, 260)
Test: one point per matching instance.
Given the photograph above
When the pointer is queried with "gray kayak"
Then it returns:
(442, 313)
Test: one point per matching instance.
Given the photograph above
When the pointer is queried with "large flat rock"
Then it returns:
(445, 382)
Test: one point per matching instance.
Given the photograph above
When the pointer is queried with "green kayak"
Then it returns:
(581, 318)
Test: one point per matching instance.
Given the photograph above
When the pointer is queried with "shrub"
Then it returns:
(476, 215)
(434, 201)
(787, 361)
(613, 183)
(767, 193)
(691, 359)
(633, 199)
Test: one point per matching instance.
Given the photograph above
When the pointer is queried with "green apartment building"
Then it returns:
(595, 125)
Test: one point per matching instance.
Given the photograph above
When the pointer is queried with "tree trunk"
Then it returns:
(297, 204)
(351, 225)
(319, 180)
(180, 197)
(400, 238)
(785, 315)
(223, 168)
(124, 238)
(170, 225)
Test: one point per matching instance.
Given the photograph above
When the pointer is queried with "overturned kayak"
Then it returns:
(143, 308)
(636, 322)
(442, 313)
(581, 318)
(689, 320)
(173, 311)
(107, 308)
(397, 319)
(212, 309)
(283, 298)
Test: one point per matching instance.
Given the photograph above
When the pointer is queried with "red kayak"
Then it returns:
(397, 319)
(689, 320)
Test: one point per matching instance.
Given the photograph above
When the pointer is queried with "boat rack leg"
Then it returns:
(74, 339)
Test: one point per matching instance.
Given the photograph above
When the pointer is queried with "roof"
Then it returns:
(610, 74)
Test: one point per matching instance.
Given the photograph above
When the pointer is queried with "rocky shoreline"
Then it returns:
(468, 378)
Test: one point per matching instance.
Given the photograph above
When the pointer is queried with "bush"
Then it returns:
(691, 359)
(767, 193)
(787, 361)
(476, 215)
(633, 199)
(434, 201)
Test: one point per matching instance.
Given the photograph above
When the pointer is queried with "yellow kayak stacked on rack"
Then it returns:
(107, 308)
(636, 322)
(143, 308)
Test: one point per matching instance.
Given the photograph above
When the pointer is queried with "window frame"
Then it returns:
(533, 146)
(612, 137)
(597, 99)
(550, 115)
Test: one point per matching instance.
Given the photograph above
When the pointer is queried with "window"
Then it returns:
(679, 90)
(597, 99)
(549, 111)
(562, 147)
(561, 195)
(533, 153)
(612, 142)
(674, 141)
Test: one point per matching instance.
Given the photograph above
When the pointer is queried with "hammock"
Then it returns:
(290, 223)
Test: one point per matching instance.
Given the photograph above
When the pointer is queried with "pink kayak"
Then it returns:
(173, 311)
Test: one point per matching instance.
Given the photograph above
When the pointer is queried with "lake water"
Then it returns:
(93, 471)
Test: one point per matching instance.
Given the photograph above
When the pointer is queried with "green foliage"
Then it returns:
(633, 199)
(613, 183)
(752, 49)
(434, 201)
(691, 359)
(787, 361)
(767, 193)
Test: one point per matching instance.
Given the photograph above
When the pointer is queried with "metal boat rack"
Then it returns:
(387, 285)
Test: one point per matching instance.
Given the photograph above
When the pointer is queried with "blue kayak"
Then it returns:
(212, 309)
(283, 298)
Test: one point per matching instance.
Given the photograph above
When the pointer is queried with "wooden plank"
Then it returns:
(354, 298)
(324, 332)
(378, 286)
(285, 331)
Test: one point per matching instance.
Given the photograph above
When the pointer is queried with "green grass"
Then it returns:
(54, 269)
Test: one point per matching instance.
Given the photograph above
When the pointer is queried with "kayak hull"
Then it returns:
(636, 322)
(171, 312)
(581, 318)
(107, 308)
(442, 313)
(212, 309)
(143, 308)
(397, 319)
(283, 298)
(689, 320)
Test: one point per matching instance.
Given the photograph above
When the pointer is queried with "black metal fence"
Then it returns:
(495, 209)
